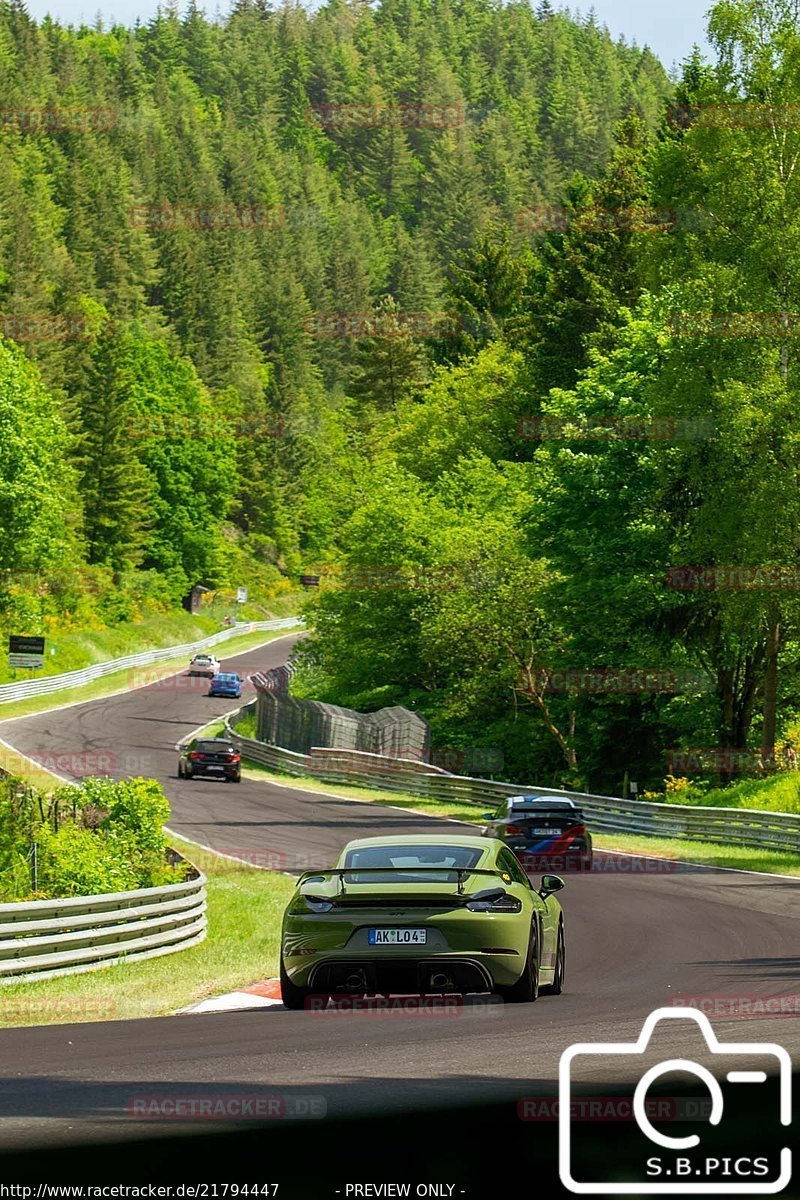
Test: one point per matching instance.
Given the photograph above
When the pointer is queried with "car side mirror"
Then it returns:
(550, 884)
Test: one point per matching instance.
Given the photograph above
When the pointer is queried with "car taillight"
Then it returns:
(235, 757)
(579, 830)
(195, 755)
(515, 831)
(497, 901)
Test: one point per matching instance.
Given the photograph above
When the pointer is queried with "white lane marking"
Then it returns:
(353, 800)
(231, 857)
(222, 717)
(231, 1002)
(39, 767)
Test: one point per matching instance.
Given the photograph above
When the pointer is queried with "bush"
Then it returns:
(77, 862)
(17, 820)
(137, 806)
(100, 836)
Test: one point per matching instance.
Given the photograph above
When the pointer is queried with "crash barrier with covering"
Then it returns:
(286, 720)
(43, 938)
(605, 814)
(54, 683)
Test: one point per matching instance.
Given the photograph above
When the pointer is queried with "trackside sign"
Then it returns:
(25, 651)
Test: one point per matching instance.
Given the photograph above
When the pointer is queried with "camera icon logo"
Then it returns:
(676, 1171)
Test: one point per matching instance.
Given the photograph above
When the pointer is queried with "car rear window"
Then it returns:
(211, 747)
(414, 856)
(227, 678)
(406, 858)
(548, 816)
(535, 806)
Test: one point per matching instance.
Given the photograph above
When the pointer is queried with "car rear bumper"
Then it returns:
(406, 974)
(200, 771)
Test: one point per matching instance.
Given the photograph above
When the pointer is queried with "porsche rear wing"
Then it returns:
(461, 874)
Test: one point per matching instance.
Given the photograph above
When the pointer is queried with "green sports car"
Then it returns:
(420, 915)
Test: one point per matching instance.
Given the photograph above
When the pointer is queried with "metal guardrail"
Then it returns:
(44, 938)
(606, 814)
(54, 683)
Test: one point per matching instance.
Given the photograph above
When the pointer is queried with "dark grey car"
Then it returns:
(210, 758)
(545, 832)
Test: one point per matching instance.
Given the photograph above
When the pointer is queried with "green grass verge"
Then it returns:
(121, 680)
(245, 907)
(435, 808)
(776, 793)
(742, 858)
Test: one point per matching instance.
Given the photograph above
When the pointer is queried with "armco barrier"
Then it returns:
(605, 814)
(44, 938)
(54, 683)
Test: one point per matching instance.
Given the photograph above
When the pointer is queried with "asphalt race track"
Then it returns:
(636, 941)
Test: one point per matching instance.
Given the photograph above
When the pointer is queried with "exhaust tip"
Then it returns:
(441, 981)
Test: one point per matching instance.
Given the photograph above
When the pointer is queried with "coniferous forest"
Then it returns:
(466, 308)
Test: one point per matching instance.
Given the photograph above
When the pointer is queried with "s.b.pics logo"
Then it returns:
(718, 1134)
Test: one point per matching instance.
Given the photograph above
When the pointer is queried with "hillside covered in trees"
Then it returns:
(462, 306)
(591, 515)
(177, 205)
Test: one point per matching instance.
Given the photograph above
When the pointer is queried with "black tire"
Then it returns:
(293, 997)
(557, 986)
(526, 989)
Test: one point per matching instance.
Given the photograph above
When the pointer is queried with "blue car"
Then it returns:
(226, 685)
